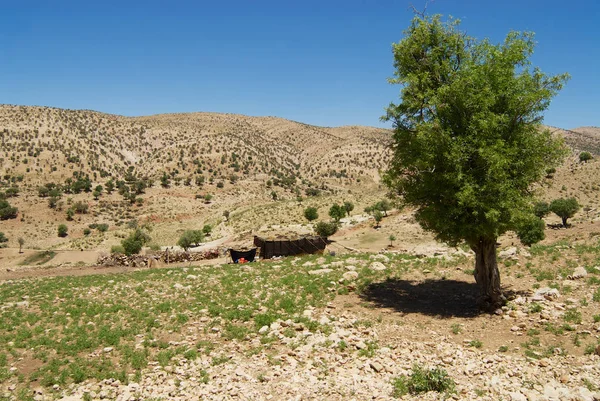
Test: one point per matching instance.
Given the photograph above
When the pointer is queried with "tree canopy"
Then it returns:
(467, 138)
(564, 208)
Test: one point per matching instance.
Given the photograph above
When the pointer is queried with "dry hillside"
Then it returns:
(176, 172)
(47, 144)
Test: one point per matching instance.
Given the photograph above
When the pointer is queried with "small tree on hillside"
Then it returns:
(21, 242)
(564, 208)
(190, 238)
(311, 213)
(337, 212)
(326, 229)
(348, 207)
(135, 242)
(378, 216)
(97, 192)
(383, 205)
(467, 139)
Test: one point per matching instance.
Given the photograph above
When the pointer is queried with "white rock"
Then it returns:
(320, 272)
(350, 276)
(579, 272)
(509, 253)
(377, 266)
(515, 396)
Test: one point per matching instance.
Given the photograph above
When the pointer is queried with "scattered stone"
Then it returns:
(350, 276)
(546, 293)
(319, 272)
(377, 367)
(509, 253)
(579, 272)
(377, 266)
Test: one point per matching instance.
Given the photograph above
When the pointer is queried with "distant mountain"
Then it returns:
(582, 138)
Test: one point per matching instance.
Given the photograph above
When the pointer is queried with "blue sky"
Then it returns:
(319, 62)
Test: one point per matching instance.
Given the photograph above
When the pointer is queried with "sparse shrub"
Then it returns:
(117, 249)
(3, 240)
(311, 213)
(62, 230)
(585, 156)
(7, 211)
(422, 381)
(103, 227)
(87, 231)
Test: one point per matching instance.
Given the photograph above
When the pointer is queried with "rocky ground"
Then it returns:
(526, 351)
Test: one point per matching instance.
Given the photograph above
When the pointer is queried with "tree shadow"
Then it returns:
(441, 298)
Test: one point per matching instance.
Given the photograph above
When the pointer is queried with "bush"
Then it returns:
(117, 249)
(3, 240)
(80, 207)
(134, 243)
(378, 216)
(324, 229)
(103, 227)
(422, 381)
(541, 209)
(311, 213)
(564, 208)
(7, 211)
(585, 156)
(87, 231)
(12, 192)
(348, 207)
(383, 206)
(189, 238)
(207, 229)
(62, 230)
(531, 231)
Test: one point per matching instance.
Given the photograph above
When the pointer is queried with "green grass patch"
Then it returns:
(423, 380)
(38, 258)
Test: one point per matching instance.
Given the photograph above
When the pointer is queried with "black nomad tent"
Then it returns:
(285, 247)
(247, 255)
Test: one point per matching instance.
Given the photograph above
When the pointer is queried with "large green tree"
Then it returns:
(467, 138)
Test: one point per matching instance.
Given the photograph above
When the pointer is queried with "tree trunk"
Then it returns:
(564, 221)
(486, 274)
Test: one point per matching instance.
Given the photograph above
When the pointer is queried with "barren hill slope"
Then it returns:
(581, 139)
(46, 144)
